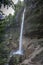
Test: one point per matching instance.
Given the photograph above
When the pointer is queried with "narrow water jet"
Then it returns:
(21, 32)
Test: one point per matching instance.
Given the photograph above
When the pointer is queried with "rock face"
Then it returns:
(34, 21)
(33, 30)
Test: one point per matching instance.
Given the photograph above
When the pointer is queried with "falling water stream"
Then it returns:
(21, 35)
(20, 51)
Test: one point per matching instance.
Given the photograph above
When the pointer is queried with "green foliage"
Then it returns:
(5, 24)
(15, 60)
(4, 52)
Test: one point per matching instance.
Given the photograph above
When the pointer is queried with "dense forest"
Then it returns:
(10, 27)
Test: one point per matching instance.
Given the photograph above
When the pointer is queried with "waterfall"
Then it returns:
(21, 32)
(19, 51)
(21, 35)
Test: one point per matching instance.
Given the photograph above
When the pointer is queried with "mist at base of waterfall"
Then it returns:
(18, 52)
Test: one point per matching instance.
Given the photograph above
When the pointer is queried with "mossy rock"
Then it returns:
(16, 59)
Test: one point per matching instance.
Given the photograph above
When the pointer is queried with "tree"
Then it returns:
(4, 50)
